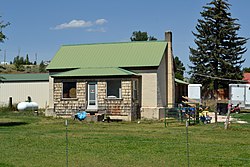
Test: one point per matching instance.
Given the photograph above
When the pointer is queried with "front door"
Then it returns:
(92, 95)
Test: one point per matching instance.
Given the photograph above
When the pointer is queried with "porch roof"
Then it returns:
(121, 54)
(94, 72)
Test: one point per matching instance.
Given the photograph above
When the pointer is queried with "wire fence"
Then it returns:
(182, 114)
(188, 147)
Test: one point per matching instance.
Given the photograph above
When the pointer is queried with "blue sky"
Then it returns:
(41, 27)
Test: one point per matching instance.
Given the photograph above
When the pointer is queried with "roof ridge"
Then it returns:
(104, 43)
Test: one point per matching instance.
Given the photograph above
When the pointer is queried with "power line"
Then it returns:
(219, 78)
(212, 77)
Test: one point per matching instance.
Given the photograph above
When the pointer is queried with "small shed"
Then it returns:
(21, 86)
(194, 92)
(181, 89)
(240, 94)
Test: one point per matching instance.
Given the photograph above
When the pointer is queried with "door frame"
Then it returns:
(89, 106)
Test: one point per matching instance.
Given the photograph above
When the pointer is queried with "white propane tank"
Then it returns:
(27, 106)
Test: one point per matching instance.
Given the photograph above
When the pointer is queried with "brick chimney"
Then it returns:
(170, 70)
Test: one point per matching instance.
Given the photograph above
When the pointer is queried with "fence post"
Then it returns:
(67, 159)
(228, 115)
(165, 117)
(10, 103)
(187, 142)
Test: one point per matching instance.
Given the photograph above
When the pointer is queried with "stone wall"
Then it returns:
(101, 95)
(68, 106)
(124, 106)
(121, 106)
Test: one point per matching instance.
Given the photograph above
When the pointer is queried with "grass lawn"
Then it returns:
(41, 142)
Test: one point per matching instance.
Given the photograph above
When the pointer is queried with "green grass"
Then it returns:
(42, 142)
(242, 116)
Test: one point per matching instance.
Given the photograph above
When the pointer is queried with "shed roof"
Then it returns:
(246, 77)
(123, 54)
(180, 81)
(24, 77)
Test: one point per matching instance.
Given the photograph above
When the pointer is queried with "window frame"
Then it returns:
(67, 88)
(119, 91)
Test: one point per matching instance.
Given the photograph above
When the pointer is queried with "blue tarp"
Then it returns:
(81, 115)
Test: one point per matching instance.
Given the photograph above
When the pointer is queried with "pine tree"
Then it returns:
(42, 67)
(27, 61)
(179, 66)
(219, 49)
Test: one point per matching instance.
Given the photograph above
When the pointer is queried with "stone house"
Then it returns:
(127, 80)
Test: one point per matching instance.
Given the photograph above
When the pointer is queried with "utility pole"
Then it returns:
(4, 57)
(36, 58)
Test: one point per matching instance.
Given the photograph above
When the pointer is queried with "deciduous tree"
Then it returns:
(2, 25)
(142, 36)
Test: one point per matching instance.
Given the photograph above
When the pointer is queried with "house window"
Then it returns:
(69, 89)
(114, 89)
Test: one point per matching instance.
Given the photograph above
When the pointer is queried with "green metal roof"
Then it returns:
(94, 72)
(24, 77)
(126, 54)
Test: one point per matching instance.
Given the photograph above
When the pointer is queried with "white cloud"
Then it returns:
(83, 24)
(100, 21)
(74, 24)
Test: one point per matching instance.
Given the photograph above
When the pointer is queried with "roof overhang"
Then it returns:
(92, 72)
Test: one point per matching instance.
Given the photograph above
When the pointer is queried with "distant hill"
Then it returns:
(11, 69)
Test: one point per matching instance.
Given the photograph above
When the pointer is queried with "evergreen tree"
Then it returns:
(42, 67)
(19, 62)
(27, 61)
(219, 49)
(179, 74)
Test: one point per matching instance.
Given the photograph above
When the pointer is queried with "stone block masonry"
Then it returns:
(123, 106)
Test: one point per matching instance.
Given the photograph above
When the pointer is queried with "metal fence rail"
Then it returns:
(181, 114)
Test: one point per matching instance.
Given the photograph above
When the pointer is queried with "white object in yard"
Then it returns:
(240, 94)
(194, 92)
(27, 106)
(4, 62)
